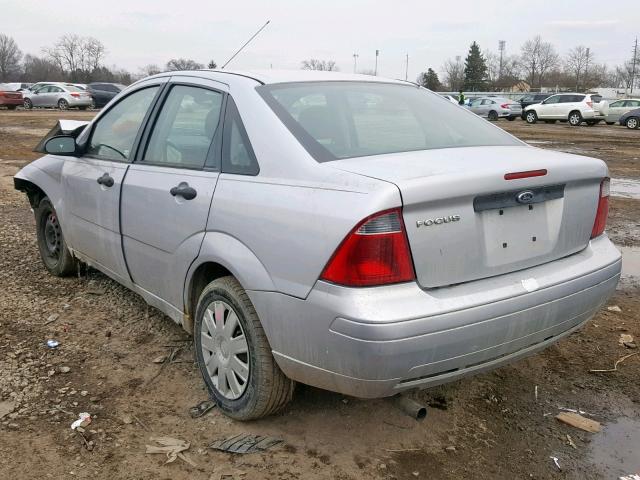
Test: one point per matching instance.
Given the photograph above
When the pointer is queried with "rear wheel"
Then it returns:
(63, 104)
(234, 355)
(92, 105)
(632, 122)
(531, 117)
(575, 118)
(53, 249)
(26, 103)
(511, 118)
(493, 116)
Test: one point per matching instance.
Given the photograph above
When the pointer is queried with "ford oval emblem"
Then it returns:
(525, 197)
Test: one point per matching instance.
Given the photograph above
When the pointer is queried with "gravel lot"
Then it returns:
(487, 427)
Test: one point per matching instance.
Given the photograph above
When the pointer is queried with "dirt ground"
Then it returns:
(487, 427)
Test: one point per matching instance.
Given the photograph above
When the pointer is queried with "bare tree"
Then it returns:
(538, 58)
(183, 64)
(150, 69)
(37, 69)
(454, 73)
(76, 55)
(93, 53)
(576, 63)
(10, 56)
(315, 64)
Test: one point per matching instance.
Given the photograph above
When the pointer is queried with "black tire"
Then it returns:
(511, 118)
(63, 104)
(82, 108)
(53, 249)
(592, 123)
(531, 117)
(575, 118)
(266, 389)
(92, 106)
(632, 123)
(11, 107)
(493, 116)
(611, 123)
(27, 104)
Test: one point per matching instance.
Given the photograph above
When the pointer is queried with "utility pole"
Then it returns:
(406, 70)
(501, 45)
(375, 70)
(633, 67)
(355, 62)
(586, 68)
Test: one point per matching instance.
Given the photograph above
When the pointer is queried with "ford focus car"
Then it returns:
(353, 233)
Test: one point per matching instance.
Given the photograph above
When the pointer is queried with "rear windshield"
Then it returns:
(337, 120)
(73, 88)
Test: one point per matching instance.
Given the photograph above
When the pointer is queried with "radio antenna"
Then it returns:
(246, 43)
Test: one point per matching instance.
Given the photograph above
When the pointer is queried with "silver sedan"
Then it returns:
(350, 232)
(494, 108)
(614, 110)
(58, 95)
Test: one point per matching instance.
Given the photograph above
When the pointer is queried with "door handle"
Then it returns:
(106, 180)
(184, 190)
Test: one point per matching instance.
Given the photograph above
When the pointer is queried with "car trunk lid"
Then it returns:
(465, 221)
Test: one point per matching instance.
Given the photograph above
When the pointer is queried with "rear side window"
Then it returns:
(596, 98)
(632, 103)
(185, 128)
(617, 104)
(336, 120)
(115, 132)
(237, 154)
(577, 98)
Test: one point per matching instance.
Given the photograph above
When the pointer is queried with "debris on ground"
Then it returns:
(202, 408)
(51, 319)
(615, 365)
(625, 338)
(173, 448)
(52, 343)
(614, 308)
(556, 463)
(226, 472)
(578, 421)
(160, 359)
(83, 420)
(64, 369)
(245, 443)
(633, 476)
(570, 442)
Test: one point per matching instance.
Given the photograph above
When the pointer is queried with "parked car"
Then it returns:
(350, 232)
(16, 86)
(60, 95)
(572, 107)
(532, 99)
(102, 93)
(35, 86)
(9, 97)
(495, 107)
(614, 110)
(631, 119)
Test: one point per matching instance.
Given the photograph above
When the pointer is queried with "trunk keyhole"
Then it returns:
(504, 245)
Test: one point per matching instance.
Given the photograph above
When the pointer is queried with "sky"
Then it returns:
(140, 32)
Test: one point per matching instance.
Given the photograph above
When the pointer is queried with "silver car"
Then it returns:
(349, 232)
(494, 108)
(614, 110)
(57, 95)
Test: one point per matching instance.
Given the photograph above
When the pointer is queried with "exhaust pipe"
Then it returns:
(411, 407)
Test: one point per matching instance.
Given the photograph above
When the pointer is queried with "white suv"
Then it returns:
(572, 107)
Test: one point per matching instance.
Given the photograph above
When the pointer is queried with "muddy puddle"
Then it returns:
(630, 261)
(616, 449)
(625, 187)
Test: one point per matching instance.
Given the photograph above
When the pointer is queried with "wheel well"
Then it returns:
(203, 276)
(34, 192)
(575, 111)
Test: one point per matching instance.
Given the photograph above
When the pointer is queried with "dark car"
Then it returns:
(532, 99)
(102, 93)
(631, 119)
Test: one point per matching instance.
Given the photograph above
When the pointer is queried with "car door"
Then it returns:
(545, 109)
(52, 96)
(476, 106)
(166, 195)
(39, 97)
(92, 182)
(614, 110)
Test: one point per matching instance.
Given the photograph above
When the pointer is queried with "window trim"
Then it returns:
(136, 142)
(233, 114)
(214, 156)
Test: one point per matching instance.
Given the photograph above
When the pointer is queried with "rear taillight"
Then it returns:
(75, 95)
(590, 104)
(375, 252)
(504, 105)
(603, 210)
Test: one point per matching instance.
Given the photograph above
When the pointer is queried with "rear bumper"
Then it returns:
(10, 101)
(376, 342)
(79, 102)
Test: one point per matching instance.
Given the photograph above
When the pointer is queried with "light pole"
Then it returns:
(355, 61)
(501, 44)
(406, 70)
(375, 70)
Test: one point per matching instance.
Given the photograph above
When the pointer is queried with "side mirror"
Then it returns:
(61, 145)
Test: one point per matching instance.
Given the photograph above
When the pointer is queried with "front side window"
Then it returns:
(115, 133)
(336, 120)
(185, 128)
(551, 100)
(616, 104)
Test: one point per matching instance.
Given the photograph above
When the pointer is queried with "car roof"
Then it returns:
(269, 77)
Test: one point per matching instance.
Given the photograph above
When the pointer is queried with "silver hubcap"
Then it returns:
(575, 119)
(632, 123)
(225, 350)
(530, 117)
